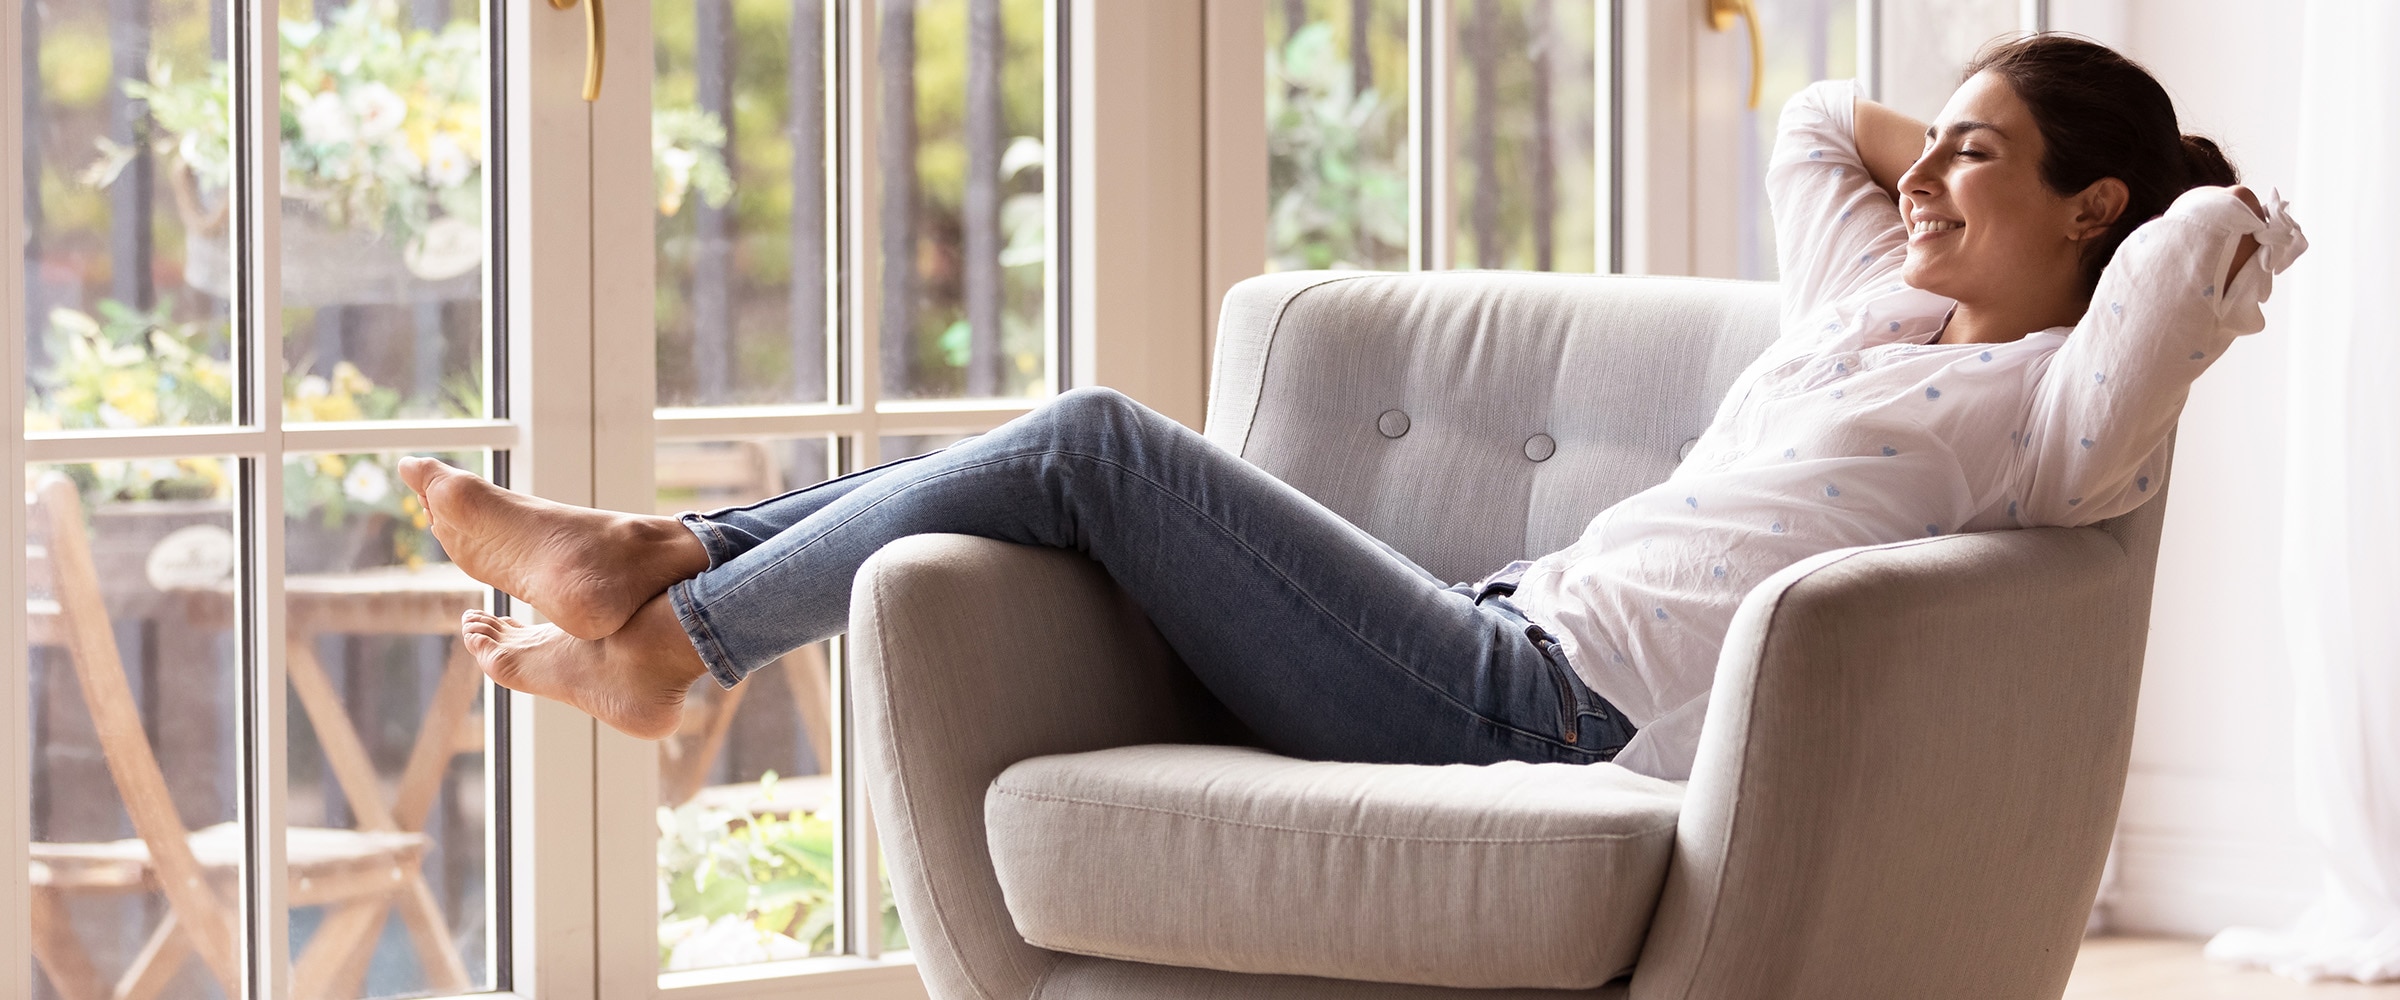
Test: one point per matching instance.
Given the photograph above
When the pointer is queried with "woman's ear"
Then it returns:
(2097, 207)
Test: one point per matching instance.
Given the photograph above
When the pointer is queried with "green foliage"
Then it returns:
(775, 874)
(128, 368)
(1341, 197)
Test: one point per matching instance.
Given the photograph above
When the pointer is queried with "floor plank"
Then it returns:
(2128, 968)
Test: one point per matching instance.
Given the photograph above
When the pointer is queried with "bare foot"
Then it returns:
(588, 570)
(634, 680)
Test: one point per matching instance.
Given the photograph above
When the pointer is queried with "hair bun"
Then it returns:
(2206, 164)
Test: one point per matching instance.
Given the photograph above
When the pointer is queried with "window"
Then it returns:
(246, 712)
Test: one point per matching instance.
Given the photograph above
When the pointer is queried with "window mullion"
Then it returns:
(1431, 222)
(860, 189)
(16, 903)
(257, 194)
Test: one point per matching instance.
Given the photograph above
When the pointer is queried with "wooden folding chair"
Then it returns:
(358, 875)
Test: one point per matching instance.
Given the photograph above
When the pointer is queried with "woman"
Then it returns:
(1988, 323)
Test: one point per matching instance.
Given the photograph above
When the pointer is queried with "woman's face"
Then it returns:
(1983, 225)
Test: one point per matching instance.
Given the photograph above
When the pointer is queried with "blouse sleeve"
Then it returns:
(2095, 434)
(1835, 231)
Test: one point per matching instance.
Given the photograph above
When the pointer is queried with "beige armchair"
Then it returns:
(1909, 771)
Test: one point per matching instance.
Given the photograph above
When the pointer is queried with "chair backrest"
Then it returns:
(1472, 417)
(83, 625)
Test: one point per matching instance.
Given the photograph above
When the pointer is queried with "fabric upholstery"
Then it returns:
(1402, 874)
(1913, 756)
(1618, 373)
(1077, 977)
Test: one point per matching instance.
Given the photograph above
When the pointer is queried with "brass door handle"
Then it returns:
(595, 44)
(1720, 17)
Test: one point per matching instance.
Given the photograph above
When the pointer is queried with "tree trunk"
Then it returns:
(430, 15)
(1362, 48)
(129, 197)
(1482, 39)
(1295, 17)
(985, 46)
(712, 226)
(896, 160)
(1545, 135)
(808, 201)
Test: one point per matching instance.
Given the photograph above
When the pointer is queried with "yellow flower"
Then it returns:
(209, 469)
(331, 466)
(132, 395)
(349, 381)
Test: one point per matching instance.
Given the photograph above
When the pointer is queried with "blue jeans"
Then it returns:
(1325, 642)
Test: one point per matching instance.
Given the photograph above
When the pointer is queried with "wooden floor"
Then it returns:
(2119, 968)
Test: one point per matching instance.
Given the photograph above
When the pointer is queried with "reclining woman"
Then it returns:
(1988, 323)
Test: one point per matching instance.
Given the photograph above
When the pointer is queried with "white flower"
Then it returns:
(325, 120)
(367, 483)
(379, 110)
(314, 387)
(446, 163)
(731, 940)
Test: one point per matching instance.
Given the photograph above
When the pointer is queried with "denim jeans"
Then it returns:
(1325, 642)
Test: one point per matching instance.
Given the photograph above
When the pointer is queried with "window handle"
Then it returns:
(1720, 17)
(595, 44)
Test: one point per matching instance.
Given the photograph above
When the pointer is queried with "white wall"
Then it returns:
(2207, 836)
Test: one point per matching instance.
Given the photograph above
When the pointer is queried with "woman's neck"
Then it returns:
(2003, 322)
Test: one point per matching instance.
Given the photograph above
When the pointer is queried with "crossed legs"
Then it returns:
(1322, 640)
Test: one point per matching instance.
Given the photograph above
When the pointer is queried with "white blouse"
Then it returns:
(1853, 429)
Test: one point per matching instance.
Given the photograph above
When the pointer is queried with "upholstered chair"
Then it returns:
(1908, 774)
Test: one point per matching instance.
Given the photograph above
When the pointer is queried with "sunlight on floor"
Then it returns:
(2125, 968)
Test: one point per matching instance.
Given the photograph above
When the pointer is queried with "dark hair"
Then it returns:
(2103, 115)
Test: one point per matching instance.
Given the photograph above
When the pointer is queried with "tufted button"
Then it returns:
(1392, 423)
(1539, 447)
(1686, 451)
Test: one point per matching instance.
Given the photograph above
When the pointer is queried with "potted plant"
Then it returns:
(382, 131)
(127, 368)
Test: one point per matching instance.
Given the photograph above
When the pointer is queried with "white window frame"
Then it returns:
(546, 434)
(1134, 316)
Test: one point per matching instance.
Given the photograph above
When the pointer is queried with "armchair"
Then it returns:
(1909, 771)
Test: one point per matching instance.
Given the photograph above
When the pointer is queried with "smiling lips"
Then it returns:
(1928, 227)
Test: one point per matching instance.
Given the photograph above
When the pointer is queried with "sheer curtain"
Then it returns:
(2341, 565)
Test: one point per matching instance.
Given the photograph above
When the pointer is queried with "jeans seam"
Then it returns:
(694, 618)
(712, 537)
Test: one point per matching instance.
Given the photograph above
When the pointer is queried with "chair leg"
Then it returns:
(161, 957)
(445, 971)
(348, 930)
(60, 955)
(684, 777)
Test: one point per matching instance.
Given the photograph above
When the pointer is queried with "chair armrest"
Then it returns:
(1908, 776)
(969, 655)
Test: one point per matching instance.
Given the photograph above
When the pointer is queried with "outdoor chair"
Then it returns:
(1906, 782)
(360, 876)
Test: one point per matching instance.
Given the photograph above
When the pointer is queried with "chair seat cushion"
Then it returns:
(1231, 858)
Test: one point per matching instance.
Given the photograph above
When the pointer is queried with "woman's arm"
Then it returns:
(1888, 143)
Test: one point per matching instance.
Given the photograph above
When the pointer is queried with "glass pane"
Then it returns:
(1927, 42)
(387, 796)
(125, 152)
(739, 144)
(893, 448)
(133, 694)
(1807, 41)
(960, 152)
(748, 801)
(1525, 115)
(383, 236)
(1337, 134)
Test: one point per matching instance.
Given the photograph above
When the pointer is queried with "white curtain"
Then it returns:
(2341, 564)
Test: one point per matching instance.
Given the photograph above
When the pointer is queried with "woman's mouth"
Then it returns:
(1927, 229)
